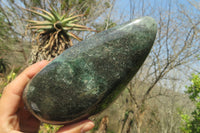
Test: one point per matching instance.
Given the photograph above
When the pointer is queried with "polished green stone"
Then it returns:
(87, 77)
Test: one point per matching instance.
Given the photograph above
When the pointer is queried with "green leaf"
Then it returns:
(192, 125)
(67, 28)
(76, 25)
(40, 14)
(46, 12)
(74, 36)
(78, 29)
(54, 13)
(40, 27)
(39, 22)
(63, 16)
(71, 19)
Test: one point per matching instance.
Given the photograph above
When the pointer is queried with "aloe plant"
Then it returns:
(53, 33)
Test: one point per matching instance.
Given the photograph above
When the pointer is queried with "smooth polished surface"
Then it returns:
(87, 77)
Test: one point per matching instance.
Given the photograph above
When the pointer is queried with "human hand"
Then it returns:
(14, 118)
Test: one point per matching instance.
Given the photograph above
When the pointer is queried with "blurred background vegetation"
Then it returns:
(157, 99)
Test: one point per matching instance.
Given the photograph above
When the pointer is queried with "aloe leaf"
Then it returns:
(40, 27)
(39, 22)
(83, 29)
(39, 31)
(75, 25)
(74, 36)
(63, 16)
(67, 28)
(78, 29)
(71, 18)
(44, 11)
(40, 14)
(73, 21)
(54, 13)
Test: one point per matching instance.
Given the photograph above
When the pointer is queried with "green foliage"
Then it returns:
(186, 125)
(7, 79)
(48, 128)
(97, 123)
(194, 89)
(10, 77)
(192, 125)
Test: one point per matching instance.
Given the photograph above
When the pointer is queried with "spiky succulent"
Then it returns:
(53, 34)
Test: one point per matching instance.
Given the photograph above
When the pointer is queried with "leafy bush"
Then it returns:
(192, 124)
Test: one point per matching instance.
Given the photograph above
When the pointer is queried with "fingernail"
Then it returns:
(87, 127)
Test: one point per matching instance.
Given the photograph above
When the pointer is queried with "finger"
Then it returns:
(17, 85)
(27, 121)
(11, 97)
(80, 127)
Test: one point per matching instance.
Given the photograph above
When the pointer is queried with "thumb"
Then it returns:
(80, 127)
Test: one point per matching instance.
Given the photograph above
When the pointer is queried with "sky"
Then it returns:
(123, 6)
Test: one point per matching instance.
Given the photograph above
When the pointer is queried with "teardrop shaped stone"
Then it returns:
(87, 77)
